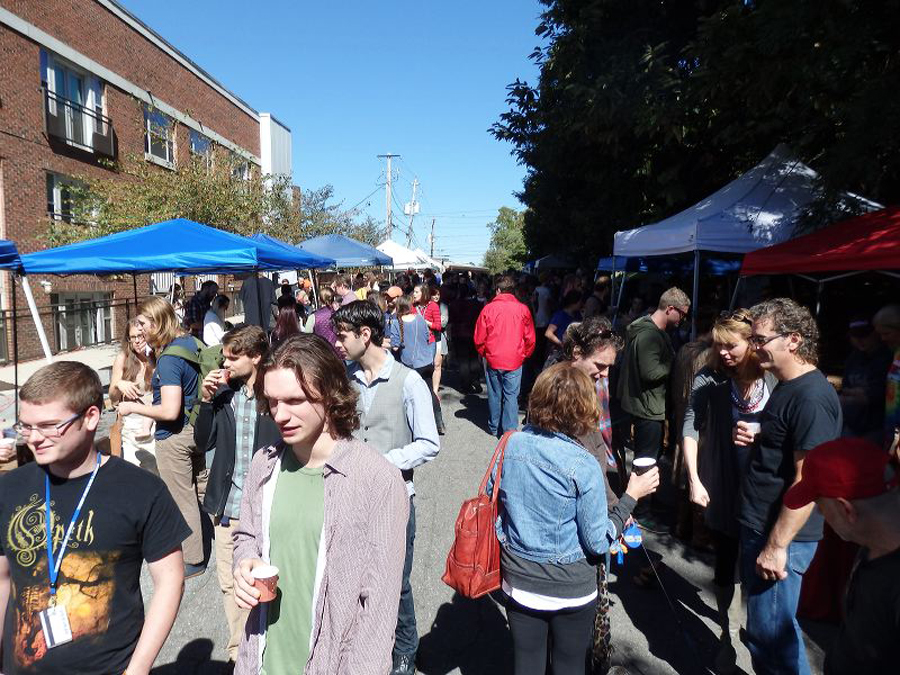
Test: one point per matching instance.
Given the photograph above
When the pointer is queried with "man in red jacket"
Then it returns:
(504, 336)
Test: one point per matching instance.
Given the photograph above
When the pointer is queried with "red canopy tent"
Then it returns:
(869, 242)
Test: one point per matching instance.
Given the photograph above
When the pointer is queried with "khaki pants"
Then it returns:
(183, 470)
(236, 617)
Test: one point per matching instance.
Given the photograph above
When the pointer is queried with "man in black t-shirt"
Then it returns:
(854, 485)
(778, 544)
(75, 606)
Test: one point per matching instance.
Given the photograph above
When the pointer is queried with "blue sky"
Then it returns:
(356, 79)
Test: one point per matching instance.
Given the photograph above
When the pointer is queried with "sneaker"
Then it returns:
(191, 571)
(404, 664)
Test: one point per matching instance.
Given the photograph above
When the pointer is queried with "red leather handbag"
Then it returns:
(473, 564)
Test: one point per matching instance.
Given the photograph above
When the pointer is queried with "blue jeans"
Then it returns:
(773, 634)
(406, 637)
(503, 399)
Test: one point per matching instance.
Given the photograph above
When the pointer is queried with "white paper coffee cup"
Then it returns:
(266, 581)
(642, 465)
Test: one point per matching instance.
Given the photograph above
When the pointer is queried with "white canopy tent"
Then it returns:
(405, 258)
(758, 209)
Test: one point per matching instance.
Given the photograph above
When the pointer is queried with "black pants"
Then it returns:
(569, 632)
(648, 437)
(726, 549)
(426, 372)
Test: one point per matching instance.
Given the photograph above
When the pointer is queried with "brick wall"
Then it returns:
(26, 154)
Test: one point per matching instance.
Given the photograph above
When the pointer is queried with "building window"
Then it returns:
(59, 197)
(159, 137)
(201, 148)
(240, 168)
(74, 104)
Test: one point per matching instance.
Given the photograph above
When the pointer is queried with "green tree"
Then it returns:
(210, 190)
(645, 107)
(507, 249)
(214, 191)
(320, 214)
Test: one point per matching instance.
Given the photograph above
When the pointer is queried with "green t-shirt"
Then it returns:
(295, 526)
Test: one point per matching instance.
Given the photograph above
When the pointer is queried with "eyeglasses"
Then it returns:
(49, 429)
(735, 316)
(136, 338)
(681, 312)
(762, 340)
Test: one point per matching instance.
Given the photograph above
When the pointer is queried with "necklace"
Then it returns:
(753, 400)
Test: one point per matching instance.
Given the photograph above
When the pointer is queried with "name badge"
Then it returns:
(55, 624)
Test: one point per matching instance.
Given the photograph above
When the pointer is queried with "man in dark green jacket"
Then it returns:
(644, 371)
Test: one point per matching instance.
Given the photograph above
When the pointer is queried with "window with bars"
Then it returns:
(159, 136)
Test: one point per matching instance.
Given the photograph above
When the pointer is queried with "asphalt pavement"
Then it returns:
(667, 629)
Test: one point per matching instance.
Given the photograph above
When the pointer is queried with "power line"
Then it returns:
(377, 188)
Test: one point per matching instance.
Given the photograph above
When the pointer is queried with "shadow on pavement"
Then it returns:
(682, 640)
(474, 409)
(467, 634)
(195, 658)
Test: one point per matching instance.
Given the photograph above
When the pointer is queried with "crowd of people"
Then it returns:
(298, 430)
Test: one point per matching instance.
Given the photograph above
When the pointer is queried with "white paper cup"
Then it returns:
(642, 465)
(753, 427)
(265, 581)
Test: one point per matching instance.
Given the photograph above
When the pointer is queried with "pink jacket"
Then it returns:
(504, 332)
(364, 534)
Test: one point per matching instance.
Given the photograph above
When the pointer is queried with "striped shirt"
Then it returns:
(245, 413)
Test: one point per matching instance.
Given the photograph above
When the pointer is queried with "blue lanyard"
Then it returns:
(53, 568)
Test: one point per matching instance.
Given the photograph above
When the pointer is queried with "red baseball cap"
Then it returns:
(849, 468)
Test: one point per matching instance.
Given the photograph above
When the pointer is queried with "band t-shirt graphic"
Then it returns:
(127, 517)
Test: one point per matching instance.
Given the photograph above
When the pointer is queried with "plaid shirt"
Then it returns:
(605, 420)
(244, 406)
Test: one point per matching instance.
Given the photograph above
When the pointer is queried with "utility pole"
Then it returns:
(432, 238)
(389, 223)
(411, 209)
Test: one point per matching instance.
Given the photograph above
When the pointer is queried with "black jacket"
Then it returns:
(215, 429)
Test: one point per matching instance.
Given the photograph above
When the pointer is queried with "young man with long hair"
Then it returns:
(330, 513)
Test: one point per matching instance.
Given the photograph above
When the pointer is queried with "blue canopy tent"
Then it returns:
(12, 262)
(172, 245)
(261, 238)
(668, 265)
(177, 245)
(346, 252)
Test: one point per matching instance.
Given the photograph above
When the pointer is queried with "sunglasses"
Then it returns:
(735, 316)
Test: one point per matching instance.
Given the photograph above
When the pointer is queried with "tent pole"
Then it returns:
(29, 297)
(312, 283)
(615, 319)
(134, 288)
(612, 281)
(819, 288)
(15, 333)
(695, 294)
(734, 296)
(262, 320)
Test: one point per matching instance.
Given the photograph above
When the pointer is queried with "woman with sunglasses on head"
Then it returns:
(733, 388)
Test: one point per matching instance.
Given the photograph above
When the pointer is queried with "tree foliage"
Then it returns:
(214, 192)
(643, 108)
(507, 249)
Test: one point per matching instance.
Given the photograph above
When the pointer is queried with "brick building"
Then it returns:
(83, 82)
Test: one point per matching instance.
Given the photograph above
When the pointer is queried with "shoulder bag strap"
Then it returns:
(498, 460)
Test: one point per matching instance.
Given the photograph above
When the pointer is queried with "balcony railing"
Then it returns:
(78, 125)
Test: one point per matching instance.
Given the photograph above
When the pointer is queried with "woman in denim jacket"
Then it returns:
(554, 524)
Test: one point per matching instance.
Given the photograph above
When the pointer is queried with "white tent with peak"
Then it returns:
(757, 209)
(406, 258)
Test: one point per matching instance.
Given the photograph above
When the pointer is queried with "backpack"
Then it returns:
(204, 359)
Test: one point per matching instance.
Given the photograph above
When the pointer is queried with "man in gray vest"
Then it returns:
(396, 418)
